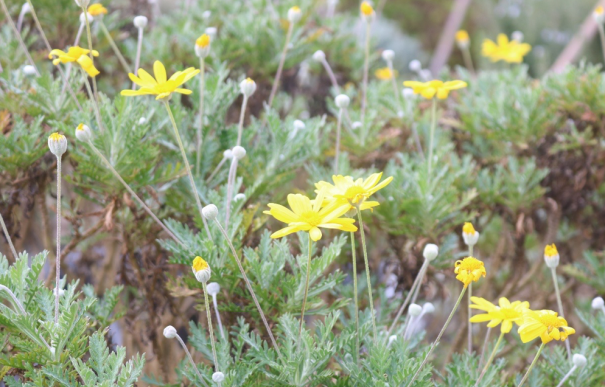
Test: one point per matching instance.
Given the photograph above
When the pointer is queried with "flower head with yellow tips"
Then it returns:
(201, 269)
(434, 88)
(599, 14)
(469, 270)
(309, 216)
(545, 324)
(384, 74)
(97, 10)
(352, 193)
(159, 86)
(504, 49)
(506, 313)
(202, 46)
(551, 256)
(469, 234)
(366, 9)
(76, 54)
(462, 38)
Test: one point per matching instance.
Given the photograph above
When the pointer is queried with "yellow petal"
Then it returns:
(281, 213)
(284, 231)
(159, 71)
(298, 204)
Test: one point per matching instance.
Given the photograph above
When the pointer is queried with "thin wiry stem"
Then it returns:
(337, 151)
(432, 133)
(567, 375)
(242, 113)
(468, 60)
(218, 167)
(89, 36)
(230, 184)
(560, 304)
(487, 335)
(304, 303)
(490, 360)
(355, 297)
(531, 366)
(281, 65)
(394, 83)
(210, 329)
(602, 37)
(416, 284)
(436, 342)
(114, 47)
(200, 127)
(95, 106)
(58, 255)
(365, 259)
(20, 19)
(366, 65)
(218, 315)
(137, 59)
(191, 360)
(416, 291)
(469, 310)
(249, 286)
(69, 65)
(8, 238)
(188, 167)
(134, 195)
(18, 36)
(331, 75)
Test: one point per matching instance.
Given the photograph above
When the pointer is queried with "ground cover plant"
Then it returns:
(288, 193)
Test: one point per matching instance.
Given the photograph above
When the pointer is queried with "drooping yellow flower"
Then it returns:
(507, 313)
(97, 10)
(434, 88)
(203, 41)
(469, 270)
(310, 216)
(352, 193)
(75, 54)
(545, 324)
(462, 37)
(366, 8)
(508, 51)
(385, 74)
(160, 86)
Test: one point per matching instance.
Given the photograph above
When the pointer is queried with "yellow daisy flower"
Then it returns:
(508, 51)
(352, 193)
(545, 324)
(75, 54)
(384, 74)
(97, 10)
(506, 314)
(307, 215)
(469, 270)
(434, 88)
(160, 86)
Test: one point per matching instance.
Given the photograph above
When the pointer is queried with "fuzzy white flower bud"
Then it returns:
(211, 31)
(142, 121)
(247, 87)
(29, 70)
(598, 303)
(388, 55)
(430, 251)
(239, 197)
(319, 56)
(239, 152)
(415, 65)
(140, 21)
(206, 15)
(170, 332)
(428, 308)
(415, 310)
(392, 338)
(298, 125)
(579, 360)
(228, 154)
(218, 377)
(356, 125)
(83, 133)
(408, 93)
(213, 288)
(342, 101)
(57, 143)
(25, 8)
(294, 14)
(83, 3)
(518, 36)
(90, 18)
(210, 212)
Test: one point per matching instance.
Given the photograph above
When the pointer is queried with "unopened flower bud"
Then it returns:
(408, 93)
(430, 251)
(142, 121)
(462, 39)
(367, 11)
(57, 143)
(518, 36)
(210, 212)
(247, 87)
(551, 256)
(29, 70)
(599, 14)
(356, 125)
(25, 8)
(82, 3)
(83, 133)
(415, 310)
(428, 308)
(213, 288)
(140, 21)
(388, 55)
(201, 269)
(392, 338)
(228, 154)
(319, 56)
(415, 65)
(90, 18)
(342, 101)
(298, 125)
(598, 303)
(211, 31)
(239, 197)
(294, 14)
(239, 152)
(579, 360)
(218, 377)
(170, 332)
(206, 15)
(202, 46)
(469, 234)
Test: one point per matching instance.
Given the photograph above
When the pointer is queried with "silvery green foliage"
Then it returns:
(47, 353)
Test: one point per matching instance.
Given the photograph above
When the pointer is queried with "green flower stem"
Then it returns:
(95, 106)
(487, 335)
(89, 36)
(491, 359)
(191, 360)
(421, 275)
(531, 366)
(249, 286)
(218, 167)
(137, 59)
(242, 113)
(200, 127)
(469, 327)
(18, 36)
(304, 304)
(468, 59)
(355, 297)
(337, 150)
(365, 258)
(58, 255)
(436, 342)
(553, 271)
(366, 65)
(114, 46)
(280, 68)
(187, 167)
(210, 329)
(416, 284)
(8, 237)
(134, 195)
(432, 133)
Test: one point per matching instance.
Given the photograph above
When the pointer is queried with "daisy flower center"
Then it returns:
(311, 217)
(551, 321)
(354, 194)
